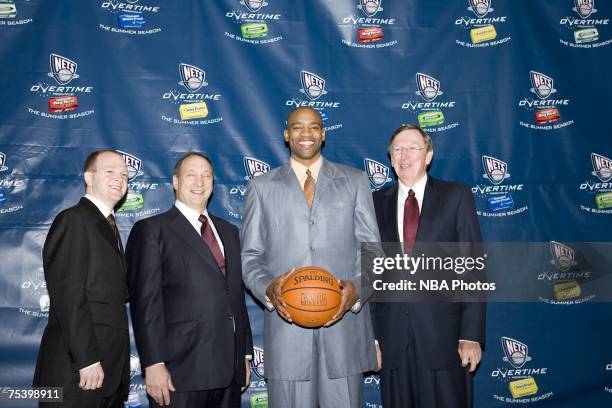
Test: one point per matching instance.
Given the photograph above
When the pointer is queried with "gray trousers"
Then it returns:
(320, 391)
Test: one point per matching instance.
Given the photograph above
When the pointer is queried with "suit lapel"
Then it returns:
(225, 234)
(390, 214)
(187, 233)
(429, 208)
(289, 179)
(326, 175)
(105, 230)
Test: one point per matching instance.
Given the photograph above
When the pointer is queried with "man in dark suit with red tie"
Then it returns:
(187, 298)
(426, 346)
(85, 347)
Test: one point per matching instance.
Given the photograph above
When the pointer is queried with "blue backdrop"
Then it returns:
(515, 95)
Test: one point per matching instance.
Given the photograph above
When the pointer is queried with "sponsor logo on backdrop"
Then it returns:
(378, 173)
(608, 369)
(498, 198)
(430, 108)
(543, 109)
(255, 23)
(15, 13)
(190, 103)
(481, 29)
(133, 206)
(563, 282)
(134, 17)
(597, 191)
(35, 296)
(257, 369)
(368, 28)
(61, 98)
(519, 376)
(135, 369)
(252, 168)
(585, 28)
(313, 87)
(9, 185)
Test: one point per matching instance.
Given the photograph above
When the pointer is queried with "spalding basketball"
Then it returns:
(312, 296)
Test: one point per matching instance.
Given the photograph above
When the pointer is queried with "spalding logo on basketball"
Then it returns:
(312, 296)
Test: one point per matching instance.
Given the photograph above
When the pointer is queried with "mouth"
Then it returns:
(306, 143)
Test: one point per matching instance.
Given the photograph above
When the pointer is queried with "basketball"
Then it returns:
(312, 296)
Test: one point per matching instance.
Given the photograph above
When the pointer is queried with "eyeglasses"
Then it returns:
(398, 150)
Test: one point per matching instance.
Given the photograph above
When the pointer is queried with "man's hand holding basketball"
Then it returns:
(273, 293)
(349, 297)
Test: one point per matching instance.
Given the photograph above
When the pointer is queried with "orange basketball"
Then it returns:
(312, 296)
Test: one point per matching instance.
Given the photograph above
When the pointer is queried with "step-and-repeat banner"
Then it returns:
(515, 95)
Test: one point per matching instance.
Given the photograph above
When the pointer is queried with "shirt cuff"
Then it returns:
(356, 307)
(89, 366)
(469, 341)
(269, 304)
(248, 357)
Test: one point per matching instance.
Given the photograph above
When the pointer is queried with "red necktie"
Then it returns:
(411, 221)
(209, 238)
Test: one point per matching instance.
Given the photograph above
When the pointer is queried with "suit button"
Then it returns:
(312, 248)
(311, 221)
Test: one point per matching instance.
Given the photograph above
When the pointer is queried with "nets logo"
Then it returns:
(602, 167)
(496, 170)
(254, 167)
(313, 85)
(257, 364)
(253, 5)
(428, 87)
(563, 257)
(63, 70)
(192, 77)
(135, 369)
(480, 7)
(542, 84)
(516, 352)
(133, 164)
(378, 173)
(370, 7)
(3, 166)
(584, 8)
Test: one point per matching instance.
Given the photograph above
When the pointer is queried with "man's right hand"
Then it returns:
(91, 377)
(274, 294)
(158, 383)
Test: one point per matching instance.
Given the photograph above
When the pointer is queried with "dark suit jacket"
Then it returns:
(185, 313)
(85, 275)
(448, 214)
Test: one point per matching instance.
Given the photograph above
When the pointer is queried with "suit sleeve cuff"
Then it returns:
(89, 366)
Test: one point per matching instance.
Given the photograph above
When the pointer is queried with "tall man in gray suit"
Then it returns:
(310, 212)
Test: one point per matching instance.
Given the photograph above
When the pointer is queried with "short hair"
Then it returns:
(177, 166)
(90, 161)
(410, 126)
(310, 108)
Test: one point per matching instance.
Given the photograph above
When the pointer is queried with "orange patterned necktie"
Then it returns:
(309, 188)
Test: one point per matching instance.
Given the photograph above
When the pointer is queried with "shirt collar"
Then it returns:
(300, 169)
(189, 213)
(100, 205)
(418, 188)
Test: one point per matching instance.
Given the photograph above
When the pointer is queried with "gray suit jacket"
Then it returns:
(280, 232)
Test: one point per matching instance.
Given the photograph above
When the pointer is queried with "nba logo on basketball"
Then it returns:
(516, 352)
(192, 77)
(495, 170)
(312, 85)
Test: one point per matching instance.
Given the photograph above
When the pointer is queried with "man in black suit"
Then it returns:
(425, 347)
(187, 298)
(85, 346)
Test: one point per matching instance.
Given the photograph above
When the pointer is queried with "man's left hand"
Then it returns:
(470, 353)
(349, 297)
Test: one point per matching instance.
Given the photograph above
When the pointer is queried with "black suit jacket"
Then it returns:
(185, 312)
(448, 214)
(85, 275)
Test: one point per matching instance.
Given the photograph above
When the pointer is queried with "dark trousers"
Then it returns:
(414, 385)
(220, 398)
